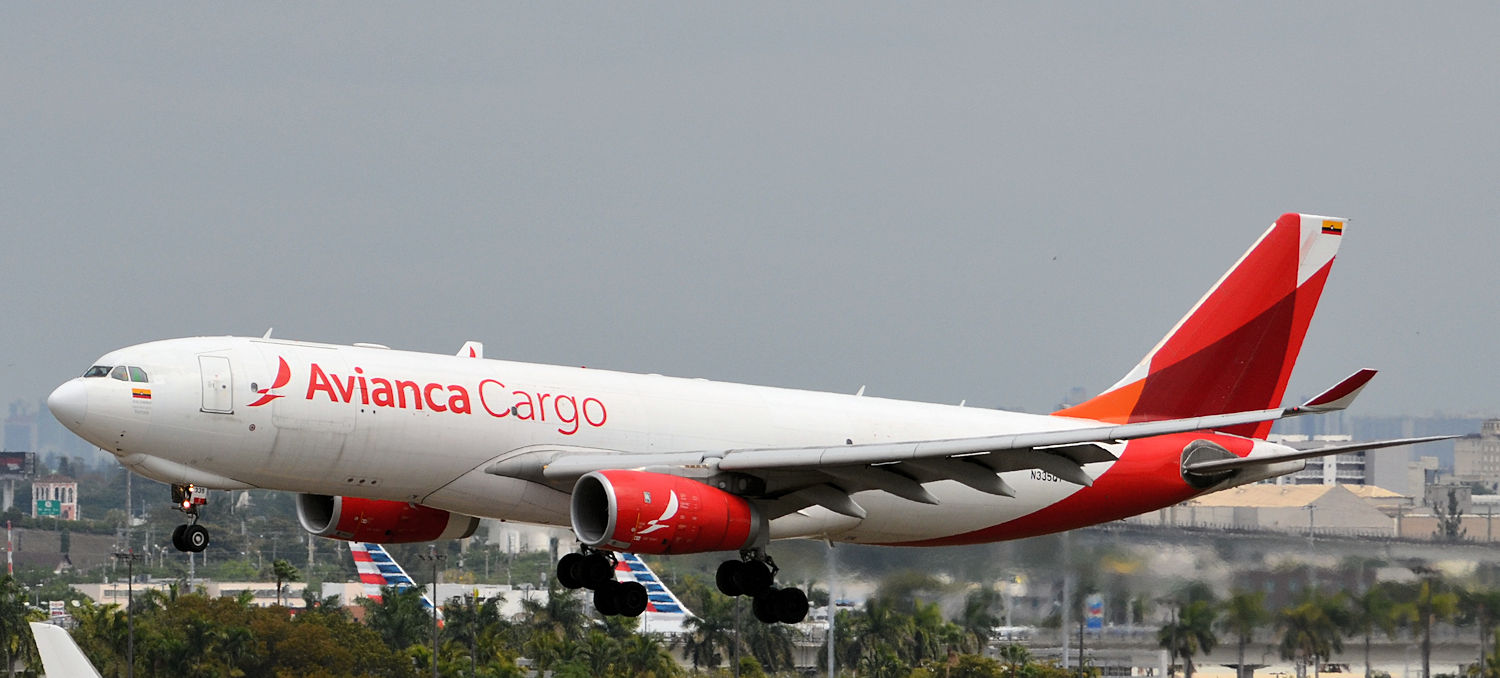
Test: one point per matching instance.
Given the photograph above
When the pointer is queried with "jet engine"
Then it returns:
(655, 513)
(379, 521)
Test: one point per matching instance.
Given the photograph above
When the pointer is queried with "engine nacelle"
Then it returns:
(656, 513)
(379, 521)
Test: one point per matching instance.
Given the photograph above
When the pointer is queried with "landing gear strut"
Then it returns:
(753, 575)
(595, 570)
(191, 537)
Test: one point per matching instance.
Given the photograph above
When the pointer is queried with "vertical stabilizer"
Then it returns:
(378, 569)
(1234, 351)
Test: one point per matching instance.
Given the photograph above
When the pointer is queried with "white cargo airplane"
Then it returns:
(396, 446)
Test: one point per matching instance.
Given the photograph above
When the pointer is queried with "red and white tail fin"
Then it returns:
(1235, 349)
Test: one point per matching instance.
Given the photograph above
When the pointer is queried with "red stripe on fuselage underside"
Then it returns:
(1148, 476)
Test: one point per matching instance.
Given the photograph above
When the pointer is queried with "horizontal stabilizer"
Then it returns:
(1222, 465)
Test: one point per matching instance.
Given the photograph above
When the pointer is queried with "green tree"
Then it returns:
(710, 631)
(14, 616)
(284, 572)
(1426, 604)
(772, 645)
(1480, 607)
(1190, 632)
(1450, 519)
(648, 657)
(1244, 614)
(979, 616)
(399, 617)
(1372, 611)
(1311, 631)
(468, 621)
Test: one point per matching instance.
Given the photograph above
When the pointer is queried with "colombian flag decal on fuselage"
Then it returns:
(1333, 228)
(140, 393)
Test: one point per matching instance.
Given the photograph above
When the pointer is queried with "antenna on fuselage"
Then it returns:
(267, 335)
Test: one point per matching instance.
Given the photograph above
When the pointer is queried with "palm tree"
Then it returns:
(562, 614)
(1244, 614)
(1190, 632)
(710, 631)
(399, 617)
(979, 617)
(645, 654)
(771, 644)
(1311, 631)
(467, 620)
(1481, 606)
(284, 572)
(1370, 612)
(1428, 605)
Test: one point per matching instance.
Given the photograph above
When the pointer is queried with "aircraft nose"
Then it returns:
(69, 403)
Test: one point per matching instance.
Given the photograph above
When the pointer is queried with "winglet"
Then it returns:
(1339, 397)
(471, 349)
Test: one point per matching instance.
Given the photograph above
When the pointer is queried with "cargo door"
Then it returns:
(218, 384)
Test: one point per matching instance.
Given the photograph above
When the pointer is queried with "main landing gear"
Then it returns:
(191, 537)
(753, 575)
(595, 570)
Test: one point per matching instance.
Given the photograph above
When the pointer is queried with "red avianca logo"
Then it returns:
(283, 377)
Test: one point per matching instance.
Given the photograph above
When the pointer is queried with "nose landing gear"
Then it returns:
(753, 575)
(192, 537)
(595, 570)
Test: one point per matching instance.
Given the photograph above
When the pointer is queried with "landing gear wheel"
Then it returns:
(726, 578)
(567, 571)
(195, 537)
(595, 570)
(630, 599)
(177, 542)
(754, 577)
(788, 605)
(763, 608)
(604, 599)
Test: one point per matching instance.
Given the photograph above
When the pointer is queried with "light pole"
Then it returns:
(129, 557)
(435, 557)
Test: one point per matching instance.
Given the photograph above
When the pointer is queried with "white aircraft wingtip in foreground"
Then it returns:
(60, 655)
(394, 446)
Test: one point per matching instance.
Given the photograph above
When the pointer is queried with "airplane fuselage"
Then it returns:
(235, 412)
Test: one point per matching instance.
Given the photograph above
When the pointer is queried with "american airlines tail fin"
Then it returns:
(60, 655)
(377, 568)
(664, 612)
(1235, 349)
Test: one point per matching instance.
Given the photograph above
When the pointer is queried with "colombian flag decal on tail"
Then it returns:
(1333, 228)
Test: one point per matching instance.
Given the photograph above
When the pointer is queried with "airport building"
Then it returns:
(1476, 457)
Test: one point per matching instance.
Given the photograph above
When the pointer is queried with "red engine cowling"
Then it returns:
(656, 513)
(379, 521)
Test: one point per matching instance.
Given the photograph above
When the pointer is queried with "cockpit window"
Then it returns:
(119, 373)
(97, 371)
(138, 375)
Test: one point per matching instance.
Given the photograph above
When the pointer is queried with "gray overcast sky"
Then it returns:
(985, 201)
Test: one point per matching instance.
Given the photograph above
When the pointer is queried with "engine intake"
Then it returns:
(379, 521)
(655, 513)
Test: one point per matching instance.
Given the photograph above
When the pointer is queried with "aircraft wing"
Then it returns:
(797, 477)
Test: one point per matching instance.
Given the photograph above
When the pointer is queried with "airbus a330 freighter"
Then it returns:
(394, 446)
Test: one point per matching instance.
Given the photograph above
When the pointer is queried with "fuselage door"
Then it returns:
(218, 384)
